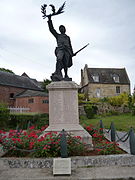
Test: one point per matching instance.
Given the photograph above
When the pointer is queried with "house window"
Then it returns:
(118, 89)
(98, 92)
(11, 95)
(95, 78)
(45, 101)
(31, 100)
(116, 78)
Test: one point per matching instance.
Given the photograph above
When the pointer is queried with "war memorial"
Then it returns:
(64, 119)
(63, 92)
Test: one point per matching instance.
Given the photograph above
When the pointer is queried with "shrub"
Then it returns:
(122, 99)
(30, 143)
(102, 145)
(90, 111)
(41, 121)
(105, 99)
(131, 103)
(22, 120)
(81, 98)
(4, 115)
(94, 100)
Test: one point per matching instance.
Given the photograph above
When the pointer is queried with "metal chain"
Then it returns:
(77, 140)
(120, 139)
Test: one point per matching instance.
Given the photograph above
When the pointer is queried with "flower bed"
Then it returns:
(31, 143)
(101, 144)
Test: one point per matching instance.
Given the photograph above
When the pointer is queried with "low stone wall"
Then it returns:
(104, 108)
(80, 161)
(81, 110)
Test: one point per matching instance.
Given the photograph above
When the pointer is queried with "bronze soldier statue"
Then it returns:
(63, 52)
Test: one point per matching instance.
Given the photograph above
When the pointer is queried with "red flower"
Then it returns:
(12, 131)
(41, 139)
(46, 147)
(99, 150)
(56, 142)
(107, 142)
(4, 137)
(31, 145)
(44, 127)
(16, 139)
(88, 128)
(32, 127)
(95, 135)
(33, 134)
(2, 132)
(24, 133)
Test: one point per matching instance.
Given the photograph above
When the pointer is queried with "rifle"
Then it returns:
(80, 49)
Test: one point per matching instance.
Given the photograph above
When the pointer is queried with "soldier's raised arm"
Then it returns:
(51, 28)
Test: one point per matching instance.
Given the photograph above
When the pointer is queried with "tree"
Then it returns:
(45, 83)
(7, 70)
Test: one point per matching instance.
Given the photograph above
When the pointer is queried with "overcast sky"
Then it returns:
(26, 45)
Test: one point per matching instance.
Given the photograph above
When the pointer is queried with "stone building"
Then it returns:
(14, 88)
(104, 82)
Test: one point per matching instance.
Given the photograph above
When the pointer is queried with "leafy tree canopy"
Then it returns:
(7, 70)
(45, 83)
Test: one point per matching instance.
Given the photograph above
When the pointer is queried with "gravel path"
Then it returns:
(123, 145)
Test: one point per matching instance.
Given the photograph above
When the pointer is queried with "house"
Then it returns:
(104, 82)
(14, 88)
(36, 101)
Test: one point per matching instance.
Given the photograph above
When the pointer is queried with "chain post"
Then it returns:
(101, 126)
(63, 144)
(29, 124)
(132, 141)
(113, 137)
(17, 129)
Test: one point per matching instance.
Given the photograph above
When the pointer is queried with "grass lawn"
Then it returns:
(122, 122)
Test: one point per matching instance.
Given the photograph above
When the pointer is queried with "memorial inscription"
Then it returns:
(62, 166)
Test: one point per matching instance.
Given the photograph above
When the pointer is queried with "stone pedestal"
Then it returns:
(63, 109)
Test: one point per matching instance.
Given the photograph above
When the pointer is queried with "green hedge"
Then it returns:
(23, 120)
(4, 115)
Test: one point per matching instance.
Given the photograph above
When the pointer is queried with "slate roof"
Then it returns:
(39, 84)
(106, 75)
(9, 79)
(31, 93)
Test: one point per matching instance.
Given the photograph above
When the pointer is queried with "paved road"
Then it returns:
(91, 173)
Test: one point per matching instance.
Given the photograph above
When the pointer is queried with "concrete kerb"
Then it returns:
(77, 162)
